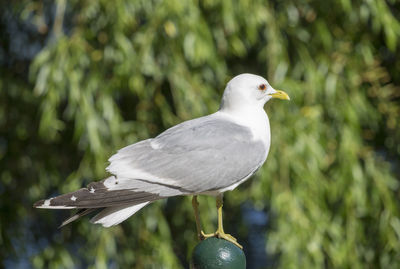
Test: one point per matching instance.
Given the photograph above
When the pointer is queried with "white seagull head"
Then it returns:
(248, 90)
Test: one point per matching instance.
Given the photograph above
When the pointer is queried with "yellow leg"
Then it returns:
(220, 231)
(195, 205)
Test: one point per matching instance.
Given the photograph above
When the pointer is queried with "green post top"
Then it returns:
(217, 253)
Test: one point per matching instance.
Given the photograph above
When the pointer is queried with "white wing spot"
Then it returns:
(92, 190)
(154, 145)
(73, 198)
(47, 202)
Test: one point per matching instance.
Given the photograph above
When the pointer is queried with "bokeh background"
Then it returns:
(80, 79)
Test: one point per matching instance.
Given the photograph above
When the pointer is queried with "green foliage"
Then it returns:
(115, 72)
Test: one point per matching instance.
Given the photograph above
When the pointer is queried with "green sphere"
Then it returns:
(217, 253)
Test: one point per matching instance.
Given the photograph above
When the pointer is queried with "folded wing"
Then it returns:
(196, 156)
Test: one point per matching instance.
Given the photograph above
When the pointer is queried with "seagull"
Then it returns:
(204, 156)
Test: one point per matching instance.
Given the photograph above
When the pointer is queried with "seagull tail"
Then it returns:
(108, 216)
(114, 215)
(77, 215)
(98, 195)
(113, 205)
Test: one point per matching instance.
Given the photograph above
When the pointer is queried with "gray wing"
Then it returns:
(196, 156)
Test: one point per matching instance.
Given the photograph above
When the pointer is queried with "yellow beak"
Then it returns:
(280, 95)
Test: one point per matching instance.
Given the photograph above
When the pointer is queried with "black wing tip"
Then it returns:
(80, 213)
(64, 223)
(68, 221)
(38, 203)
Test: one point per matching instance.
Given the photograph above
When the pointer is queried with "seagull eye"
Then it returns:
(262, 87)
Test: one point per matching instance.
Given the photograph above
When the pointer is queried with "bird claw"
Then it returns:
(203, 235)
(230, 238)
(222, 235)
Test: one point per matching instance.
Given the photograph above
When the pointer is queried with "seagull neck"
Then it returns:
(254, 118)
(246, 113)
